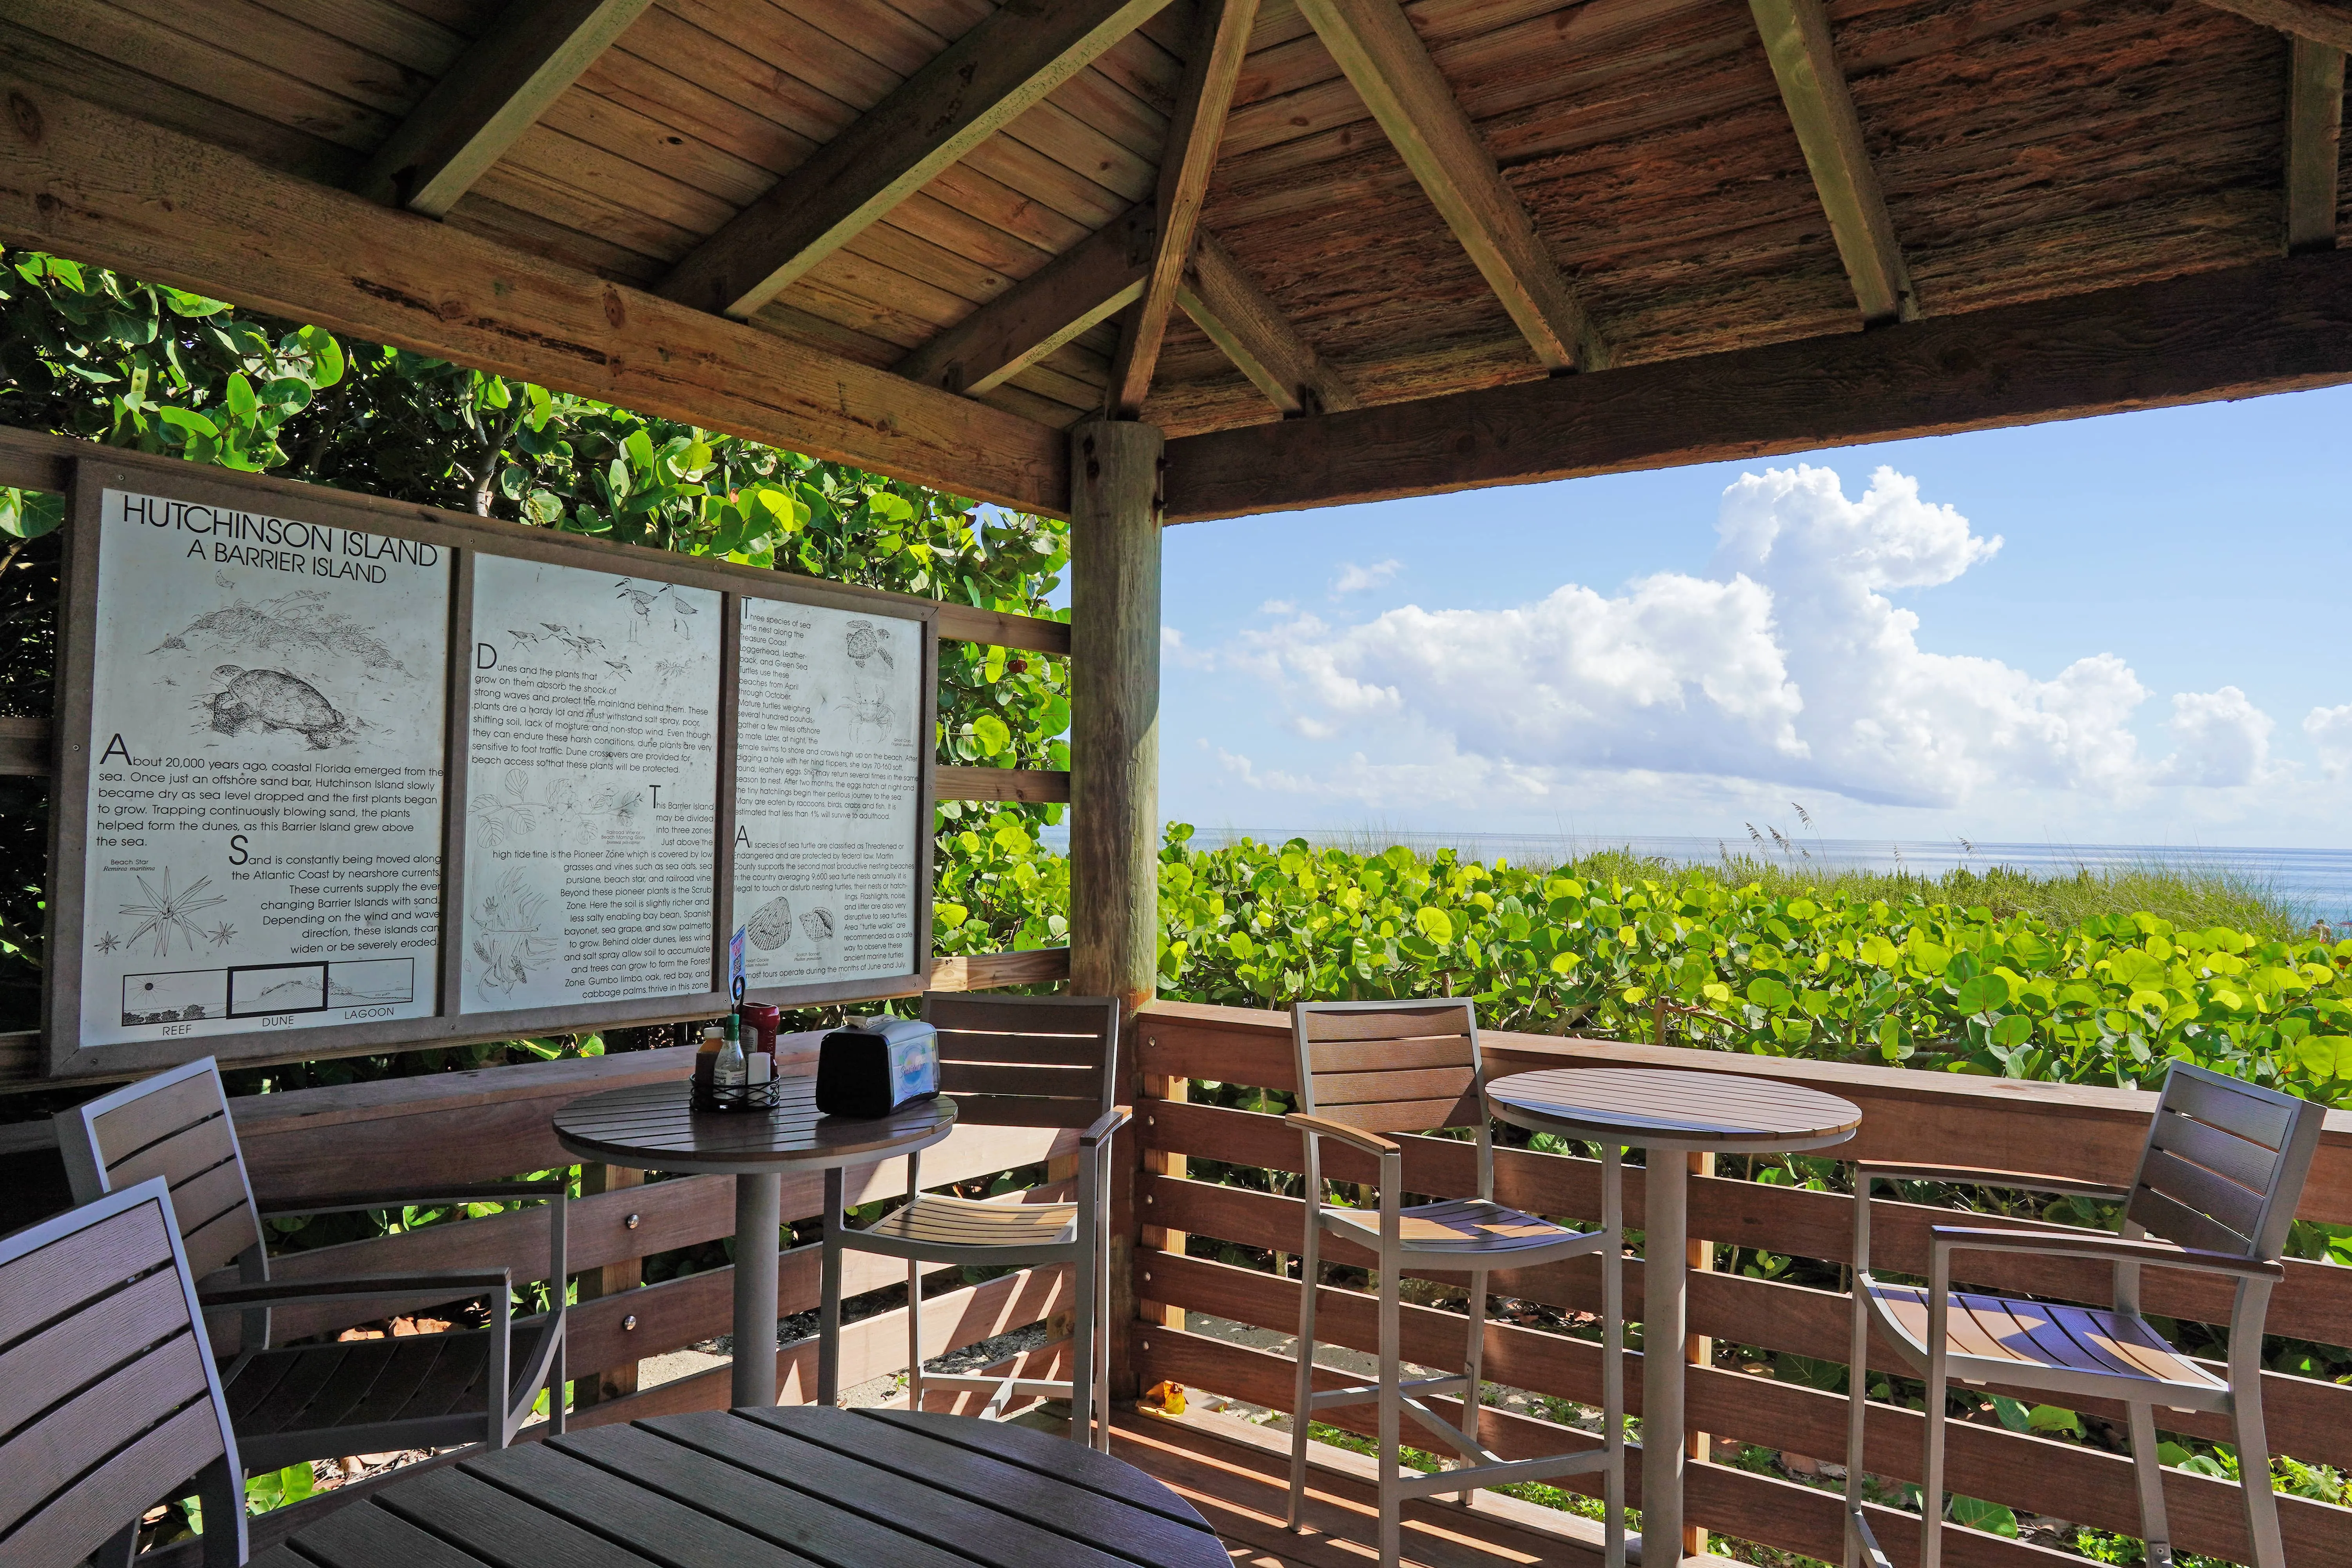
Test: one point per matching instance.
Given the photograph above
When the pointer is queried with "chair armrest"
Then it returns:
(1369, 1143)
(2093, 1243)
(362, 1288)
(1985, 1176)
(464, 1193)
(1109, 1123)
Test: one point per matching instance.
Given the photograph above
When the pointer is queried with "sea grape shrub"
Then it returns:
(1922, 984)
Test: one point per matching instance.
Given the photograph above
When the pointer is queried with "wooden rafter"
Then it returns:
(1003, 67)
(1386, 62)
(2315, 144)
(2321, 22)
(1090, 282)
(502, 84)
(1221, 38)
(2278, 326)
(90, 183)
(1796, 36)
(1254, 334)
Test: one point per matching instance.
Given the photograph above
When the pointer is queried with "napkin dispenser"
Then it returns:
(874, 1065)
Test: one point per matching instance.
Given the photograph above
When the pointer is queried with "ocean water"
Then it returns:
(2315, 883)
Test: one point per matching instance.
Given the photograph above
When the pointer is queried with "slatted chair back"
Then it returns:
(109, 1399)
(1390, 1066)
(1026, 1061)
(2224, 1165)
(175, 1125)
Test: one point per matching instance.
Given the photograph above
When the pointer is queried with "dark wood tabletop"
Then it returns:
(651, 1127)
(778, 1488)
(1662, 1107)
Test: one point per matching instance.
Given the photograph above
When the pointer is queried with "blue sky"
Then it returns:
(2151, 653)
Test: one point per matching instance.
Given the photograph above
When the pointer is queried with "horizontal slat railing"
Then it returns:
(2070, 1132)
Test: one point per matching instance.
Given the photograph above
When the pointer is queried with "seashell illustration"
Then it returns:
(818, 923)
(771, 925)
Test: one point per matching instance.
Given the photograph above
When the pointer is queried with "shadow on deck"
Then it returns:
(1237, 1475)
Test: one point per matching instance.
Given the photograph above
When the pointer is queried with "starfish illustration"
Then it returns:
(222, 934)
(167, 911)
(109, 943)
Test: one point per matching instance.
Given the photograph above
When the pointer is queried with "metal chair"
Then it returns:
(108, 1400)
(2218, 1178)
(1007, 1061)
(322, 1400)
(1366, 1068)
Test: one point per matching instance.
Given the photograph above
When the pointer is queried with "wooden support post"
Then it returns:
(1698, 1350)
(1115, 468)
(590, 1385)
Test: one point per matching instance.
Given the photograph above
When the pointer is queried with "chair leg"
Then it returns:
(914, 1335)
(1391, 1408)
(1857, 1422)
(1083, 1328)
(1931, 1490)
(1102, 1319)
(1474, 1362)
(2148, 1470)
(1310, 1269)
(222, 1491)
(557, 1377)
(2254, 1478)
(828, 1322)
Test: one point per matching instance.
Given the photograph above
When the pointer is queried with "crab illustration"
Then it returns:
(273, 699)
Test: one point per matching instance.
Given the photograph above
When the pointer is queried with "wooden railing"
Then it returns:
(2062, 1129)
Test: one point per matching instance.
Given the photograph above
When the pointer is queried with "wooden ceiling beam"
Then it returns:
(1251, 328)
(1220, 40)
(101, 186)
(1008, 63)
(1386, 62)
(505, 80)
(2315, 144)
(1796, 36)
(2277, 326)
(1092, 281)
(2318, 20)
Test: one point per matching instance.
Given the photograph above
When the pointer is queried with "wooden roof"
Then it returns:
(1330, 202)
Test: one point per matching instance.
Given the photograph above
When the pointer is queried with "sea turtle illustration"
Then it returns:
(771, 925)
(818, 923)
(273, 699)
(866, 641)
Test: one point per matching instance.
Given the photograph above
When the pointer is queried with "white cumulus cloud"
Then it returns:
(2330, 732)
(1787, 662)
(1355, 579)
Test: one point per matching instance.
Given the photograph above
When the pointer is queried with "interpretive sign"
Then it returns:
(337, 775)
(265, 797)
(829, 766)
(591, 787)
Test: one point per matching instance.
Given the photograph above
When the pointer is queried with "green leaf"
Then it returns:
(1985, 1516)
(1433, 923)
(2050, 1418)
(991, 733)
(1983, 993)
(2012, 1415)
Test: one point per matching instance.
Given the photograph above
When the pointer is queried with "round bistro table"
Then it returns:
(1672, 1112)
(770, 1487)
(650, 1127)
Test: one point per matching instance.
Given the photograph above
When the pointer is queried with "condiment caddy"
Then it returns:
(728, 1078)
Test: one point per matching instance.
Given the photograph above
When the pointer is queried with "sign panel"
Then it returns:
(264, 791)
(829, 755)
(591, 787)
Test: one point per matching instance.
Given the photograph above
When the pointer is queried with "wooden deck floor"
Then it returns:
(1236, 1475)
